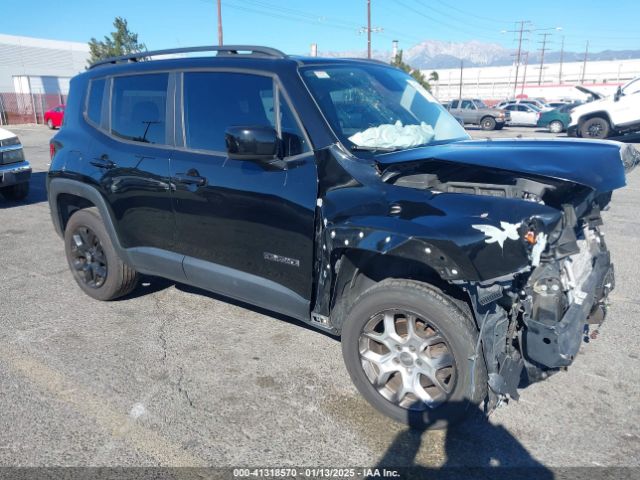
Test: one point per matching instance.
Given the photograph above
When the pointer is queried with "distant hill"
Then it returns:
(435, 54)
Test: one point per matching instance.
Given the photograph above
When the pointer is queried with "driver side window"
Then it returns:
(214, 101)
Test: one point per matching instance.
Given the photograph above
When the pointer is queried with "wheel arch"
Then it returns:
(66, 196)
(599, 113)
(357, 270)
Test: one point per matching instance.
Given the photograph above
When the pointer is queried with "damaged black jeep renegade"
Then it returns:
(341, 193)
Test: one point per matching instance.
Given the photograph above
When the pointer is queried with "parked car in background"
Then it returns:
(539, 104)
(557, 120)
(558, 104)
(523, 114)
(54, 117)
(15, 171)
(616, 114)
(473, 111)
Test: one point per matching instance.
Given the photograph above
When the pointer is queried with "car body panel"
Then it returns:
(593, 164)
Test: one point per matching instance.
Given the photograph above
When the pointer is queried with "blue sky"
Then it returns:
(292, 25)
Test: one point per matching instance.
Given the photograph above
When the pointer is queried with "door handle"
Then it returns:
(188, 179)
(102, 162)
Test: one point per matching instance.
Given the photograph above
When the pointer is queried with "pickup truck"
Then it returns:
(475, 112)
(607, 116)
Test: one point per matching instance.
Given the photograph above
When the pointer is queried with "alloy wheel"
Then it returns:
(407, 360)
(88, 258)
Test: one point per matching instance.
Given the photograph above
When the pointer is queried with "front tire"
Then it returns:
(16, 192)
(596, 127)
(93, 260)
(556, 126)
(50, 124)
(488, 123)
(407, 348)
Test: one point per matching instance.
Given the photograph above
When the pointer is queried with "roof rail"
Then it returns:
(222, 50)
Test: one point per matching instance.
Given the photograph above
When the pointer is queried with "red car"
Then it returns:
(53, 118)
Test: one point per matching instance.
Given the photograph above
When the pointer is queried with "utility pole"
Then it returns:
(524, 77)
(584, 64)
(561, 61)
(542, 50)
(368, 29)
(460, 94)
(220, 22)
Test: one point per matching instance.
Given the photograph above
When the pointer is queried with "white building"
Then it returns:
(38, 66)
(497, 83)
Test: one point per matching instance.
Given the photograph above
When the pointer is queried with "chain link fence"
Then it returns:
(16, 108)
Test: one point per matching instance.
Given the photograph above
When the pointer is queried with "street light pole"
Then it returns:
(220, 22)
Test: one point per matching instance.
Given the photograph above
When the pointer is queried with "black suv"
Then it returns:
(341, 193)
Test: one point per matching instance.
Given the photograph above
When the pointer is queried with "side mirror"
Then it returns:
(618, 94)
(251, 142)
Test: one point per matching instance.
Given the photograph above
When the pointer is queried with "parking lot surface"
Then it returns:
(175, 376)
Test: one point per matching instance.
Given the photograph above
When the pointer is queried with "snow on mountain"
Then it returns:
(438, 54)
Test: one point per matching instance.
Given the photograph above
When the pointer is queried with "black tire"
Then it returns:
(499, 126)
(450, 322)
(556, 126)
(596, 127)
(18, 191)
(488, 123)
(89, 249)
(50, 124)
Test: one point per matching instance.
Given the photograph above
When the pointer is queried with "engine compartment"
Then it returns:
(448, 177)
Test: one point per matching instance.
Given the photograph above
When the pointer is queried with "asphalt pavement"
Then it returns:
(175, 376)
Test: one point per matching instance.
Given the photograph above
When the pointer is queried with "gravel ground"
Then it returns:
(176, 376)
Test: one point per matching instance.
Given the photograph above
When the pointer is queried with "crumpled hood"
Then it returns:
(595, 164)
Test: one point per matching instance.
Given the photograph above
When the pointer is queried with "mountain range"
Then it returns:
(435, 54)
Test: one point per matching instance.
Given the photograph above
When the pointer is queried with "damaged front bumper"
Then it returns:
(555, 345)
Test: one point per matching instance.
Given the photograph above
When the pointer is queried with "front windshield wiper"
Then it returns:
(362, 148)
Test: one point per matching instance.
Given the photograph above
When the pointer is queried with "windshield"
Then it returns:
(480, 103)
(374, 107)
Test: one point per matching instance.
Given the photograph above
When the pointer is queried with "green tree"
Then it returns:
(121, 42)
(415, 73)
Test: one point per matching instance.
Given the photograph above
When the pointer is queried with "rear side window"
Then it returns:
(214, 101)
(94, 102)
(138, 108)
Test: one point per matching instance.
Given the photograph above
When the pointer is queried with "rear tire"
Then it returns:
(398, 353)
(596, 127)
(488, 123)
(16, 192)
(93, 260)
(556, 126)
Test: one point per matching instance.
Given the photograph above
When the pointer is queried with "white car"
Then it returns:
(616, 114)
(15, 171)
(539, 104)
(523, 114)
